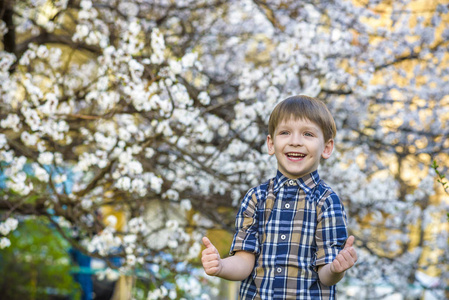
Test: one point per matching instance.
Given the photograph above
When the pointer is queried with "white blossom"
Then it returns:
(86, 203)
(172, 195)
(45, 158)
(12, 121)
(29, 139)
(3, 141)
(40, 173)
(4, 243)
(194, 251)
(131, 260)
(158, 46)
(185, 204)
(189, 59)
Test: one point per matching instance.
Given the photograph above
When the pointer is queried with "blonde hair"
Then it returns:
(303, 107)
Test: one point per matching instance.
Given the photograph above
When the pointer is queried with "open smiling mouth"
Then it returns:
(295, 155)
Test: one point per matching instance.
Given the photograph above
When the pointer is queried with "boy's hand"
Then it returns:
(346, 258)
(211, 260)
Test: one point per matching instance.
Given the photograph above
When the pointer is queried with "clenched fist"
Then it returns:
(210, 259)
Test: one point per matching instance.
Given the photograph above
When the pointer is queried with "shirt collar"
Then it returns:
(307, 182)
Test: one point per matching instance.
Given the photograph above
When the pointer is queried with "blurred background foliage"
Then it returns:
(38, 266)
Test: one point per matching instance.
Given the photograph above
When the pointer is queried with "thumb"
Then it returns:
(207, 243)
(349, 242)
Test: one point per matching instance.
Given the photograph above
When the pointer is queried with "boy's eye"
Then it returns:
(283, 132)
(308, 134)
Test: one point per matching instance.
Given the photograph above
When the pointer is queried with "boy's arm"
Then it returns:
(332, 273)
(236, 268)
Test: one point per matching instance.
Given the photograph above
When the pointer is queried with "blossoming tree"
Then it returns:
(159, 109)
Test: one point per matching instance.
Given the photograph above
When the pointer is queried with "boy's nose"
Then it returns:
(296, 140)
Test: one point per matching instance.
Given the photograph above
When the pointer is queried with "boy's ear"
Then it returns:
(328, 148)
(270, 145)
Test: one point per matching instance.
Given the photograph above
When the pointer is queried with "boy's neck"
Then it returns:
(305, 175)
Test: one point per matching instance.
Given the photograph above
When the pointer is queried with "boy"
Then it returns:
(291, 237)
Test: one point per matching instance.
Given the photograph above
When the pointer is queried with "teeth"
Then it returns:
(296, 154)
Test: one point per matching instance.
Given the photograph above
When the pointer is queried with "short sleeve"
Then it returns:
(246, 237)
(331, 232)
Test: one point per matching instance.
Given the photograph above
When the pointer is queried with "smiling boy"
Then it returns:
(291, 238)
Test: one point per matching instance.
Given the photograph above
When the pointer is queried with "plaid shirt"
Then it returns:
(292, 226)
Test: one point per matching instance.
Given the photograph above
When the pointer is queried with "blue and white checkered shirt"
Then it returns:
(292, 226)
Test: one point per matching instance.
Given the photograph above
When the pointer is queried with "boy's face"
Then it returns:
(298, 146)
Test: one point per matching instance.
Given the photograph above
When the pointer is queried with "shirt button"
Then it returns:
(291, 182)
(279, 270)
(283, 237)
(287, 205)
